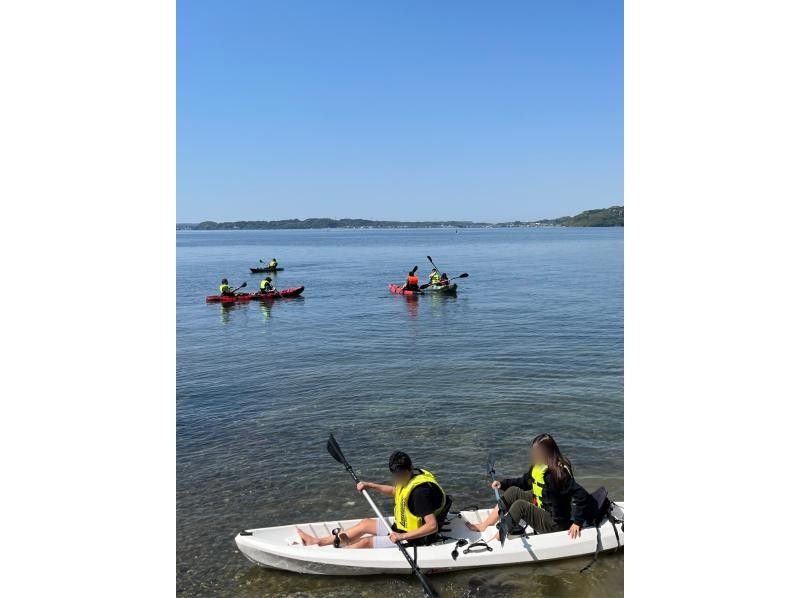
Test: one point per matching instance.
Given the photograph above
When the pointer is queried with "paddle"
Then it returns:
(432, 264)
(425, 286)
(244, 284)
(506, 523)
(336, 453)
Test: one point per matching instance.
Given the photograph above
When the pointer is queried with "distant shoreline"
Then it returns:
(604, 217)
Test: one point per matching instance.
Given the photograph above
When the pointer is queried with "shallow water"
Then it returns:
(533, 342)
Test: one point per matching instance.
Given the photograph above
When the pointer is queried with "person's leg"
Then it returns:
(508, 497)
(365, 526)
(539, 519)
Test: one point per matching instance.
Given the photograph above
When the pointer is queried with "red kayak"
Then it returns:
(229, 298)
(281, 294)
(398, 289)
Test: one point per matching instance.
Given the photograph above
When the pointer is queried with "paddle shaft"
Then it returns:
(429, 591)
(501, 510)
(426, 285)
(431, 261)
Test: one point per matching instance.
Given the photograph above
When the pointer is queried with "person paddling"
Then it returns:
(546, 497)
(412, 282)
(225, 289)
(420, 506)
(273, 264)
(443, 280)
(433, 277)
(266, 285)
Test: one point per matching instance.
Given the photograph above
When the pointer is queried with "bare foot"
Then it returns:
(476, 527)
(307, 539)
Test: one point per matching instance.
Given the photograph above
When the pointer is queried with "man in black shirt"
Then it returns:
(419, 505)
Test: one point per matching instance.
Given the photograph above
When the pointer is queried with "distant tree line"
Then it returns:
(613, 216)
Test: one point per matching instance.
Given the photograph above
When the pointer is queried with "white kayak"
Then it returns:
(280, 548)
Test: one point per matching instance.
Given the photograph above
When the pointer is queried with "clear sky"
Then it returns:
(398, 109)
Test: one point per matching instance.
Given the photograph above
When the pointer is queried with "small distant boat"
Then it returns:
(265, 269)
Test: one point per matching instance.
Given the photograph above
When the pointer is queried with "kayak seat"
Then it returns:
(442, 520)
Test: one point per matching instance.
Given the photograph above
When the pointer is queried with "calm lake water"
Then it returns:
(533, 342)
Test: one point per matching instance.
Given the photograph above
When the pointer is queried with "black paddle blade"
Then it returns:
(415, 269)
(505, 526)
(244, 284)
(464, 275)
(490, 466)
(335, 451)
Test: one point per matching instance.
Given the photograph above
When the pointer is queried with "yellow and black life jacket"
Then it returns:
(537, 473)
(264, 284)
(404, 519)
(224, 288)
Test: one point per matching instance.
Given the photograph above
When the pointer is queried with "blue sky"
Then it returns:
(398, 109)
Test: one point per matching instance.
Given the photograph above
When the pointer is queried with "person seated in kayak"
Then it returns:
(443, 280)
(266, 285)
(412, 282)
(420, 505)
(225, 289)
(546, 497)
(433, 277)
(273, 264)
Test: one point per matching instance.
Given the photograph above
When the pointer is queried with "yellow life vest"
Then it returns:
(537, 473)
(434, 278)
(273, 264)
(264, 284)
(404, 519)
(224, 288)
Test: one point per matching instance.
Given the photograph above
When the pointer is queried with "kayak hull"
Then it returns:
(281, 294)
(243, 297)
(449, 289)
(398, 290)
(260, 270)
(278, 548)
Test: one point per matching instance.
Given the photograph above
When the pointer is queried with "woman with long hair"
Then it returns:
(546, 497)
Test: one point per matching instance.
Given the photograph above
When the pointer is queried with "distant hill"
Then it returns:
(328, 223)
(613, 216)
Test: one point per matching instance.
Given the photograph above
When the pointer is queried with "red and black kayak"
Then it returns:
(398, 289)
(242, 297)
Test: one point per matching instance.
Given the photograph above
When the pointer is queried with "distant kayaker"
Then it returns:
(546, 497)
(225, 289)
(412, 282)
(434, 276)
(273, 264)
(266, 285)
(420, 505)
